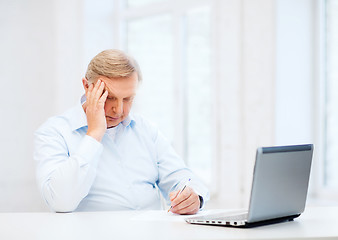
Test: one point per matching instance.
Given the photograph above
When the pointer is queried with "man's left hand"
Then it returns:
(187, 202)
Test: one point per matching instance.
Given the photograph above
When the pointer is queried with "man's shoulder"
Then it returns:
(143, 122)
(57, 123)
(145, 125)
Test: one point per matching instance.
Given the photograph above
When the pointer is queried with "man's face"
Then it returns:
(121, 93)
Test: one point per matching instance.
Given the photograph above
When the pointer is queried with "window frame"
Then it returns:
(321, 193)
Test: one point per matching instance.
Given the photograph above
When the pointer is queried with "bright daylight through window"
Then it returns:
(174, 50)
(331, 121)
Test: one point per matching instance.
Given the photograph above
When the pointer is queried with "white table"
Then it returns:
(315, 223)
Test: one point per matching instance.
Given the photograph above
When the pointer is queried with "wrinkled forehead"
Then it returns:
(121, 87)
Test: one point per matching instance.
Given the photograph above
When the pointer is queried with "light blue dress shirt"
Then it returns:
(124, 171)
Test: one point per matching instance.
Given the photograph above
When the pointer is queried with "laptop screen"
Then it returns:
(280, 181)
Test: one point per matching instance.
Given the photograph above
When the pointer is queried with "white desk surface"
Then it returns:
(314, 223)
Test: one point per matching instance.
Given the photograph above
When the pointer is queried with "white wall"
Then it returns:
(68, 31)
(40, 65)
(27, 96)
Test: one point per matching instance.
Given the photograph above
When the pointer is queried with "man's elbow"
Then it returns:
(61, 203)
(63, 207)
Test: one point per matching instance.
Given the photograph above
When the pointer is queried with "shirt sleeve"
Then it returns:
(64, 179)
(173, 173)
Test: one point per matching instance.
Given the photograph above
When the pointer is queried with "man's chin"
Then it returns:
(113, 123)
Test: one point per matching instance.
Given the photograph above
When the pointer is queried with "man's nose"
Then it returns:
(118, 108)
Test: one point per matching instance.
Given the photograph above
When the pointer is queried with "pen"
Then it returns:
(182, 189)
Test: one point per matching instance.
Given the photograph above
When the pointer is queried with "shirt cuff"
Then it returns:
(201, 201)
(89, 150)
(202, 193)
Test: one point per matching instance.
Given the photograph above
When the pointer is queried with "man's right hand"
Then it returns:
(96, 118)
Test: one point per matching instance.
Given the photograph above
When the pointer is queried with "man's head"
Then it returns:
(112, 63)
(121, 75)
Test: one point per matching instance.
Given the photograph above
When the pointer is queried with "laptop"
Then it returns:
(278, 192)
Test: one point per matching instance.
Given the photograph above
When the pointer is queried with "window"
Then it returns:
(172, 45)
(198, 92)
(150, 41)
(331, 96)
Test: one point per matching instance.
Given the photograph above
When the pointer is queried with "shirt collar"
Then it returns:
(78, 118)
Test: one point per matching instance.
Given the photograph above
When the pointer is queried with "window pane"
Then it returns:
(150, 41)
(138, 3)
(199, 99)
(331, 163)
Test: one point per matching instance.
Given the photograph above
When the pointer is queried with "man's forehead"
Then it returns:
(119, 91)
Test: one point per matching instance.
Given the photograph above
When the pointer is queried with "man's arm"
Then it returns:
(173, 173)
(65, 180)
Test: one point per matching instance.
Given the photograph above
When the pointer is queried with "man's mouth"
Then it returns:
(112, 118)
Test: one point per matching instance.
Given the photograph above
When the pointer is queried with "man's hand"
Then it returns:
(187, 202)
(96, 118)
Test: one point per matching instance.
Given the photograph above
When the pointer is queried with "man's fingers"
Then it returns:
(187, 202)
(89, 90)
(103, 98)
(92, 90)
(187, 209)
(98, 90)
(96, 86)
(192, 209)
(182, 197)
(173, 195)
(95, 92)
(190, 206)
(184, 203)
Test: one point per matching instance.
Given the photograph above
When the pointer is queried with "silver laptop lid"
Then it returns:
(280, 181)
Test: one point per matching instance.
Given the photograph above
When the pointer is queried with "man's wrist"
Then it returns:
(96, 136)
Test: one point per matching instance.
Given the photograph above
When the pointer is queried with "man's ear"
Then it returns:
(85, 84)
